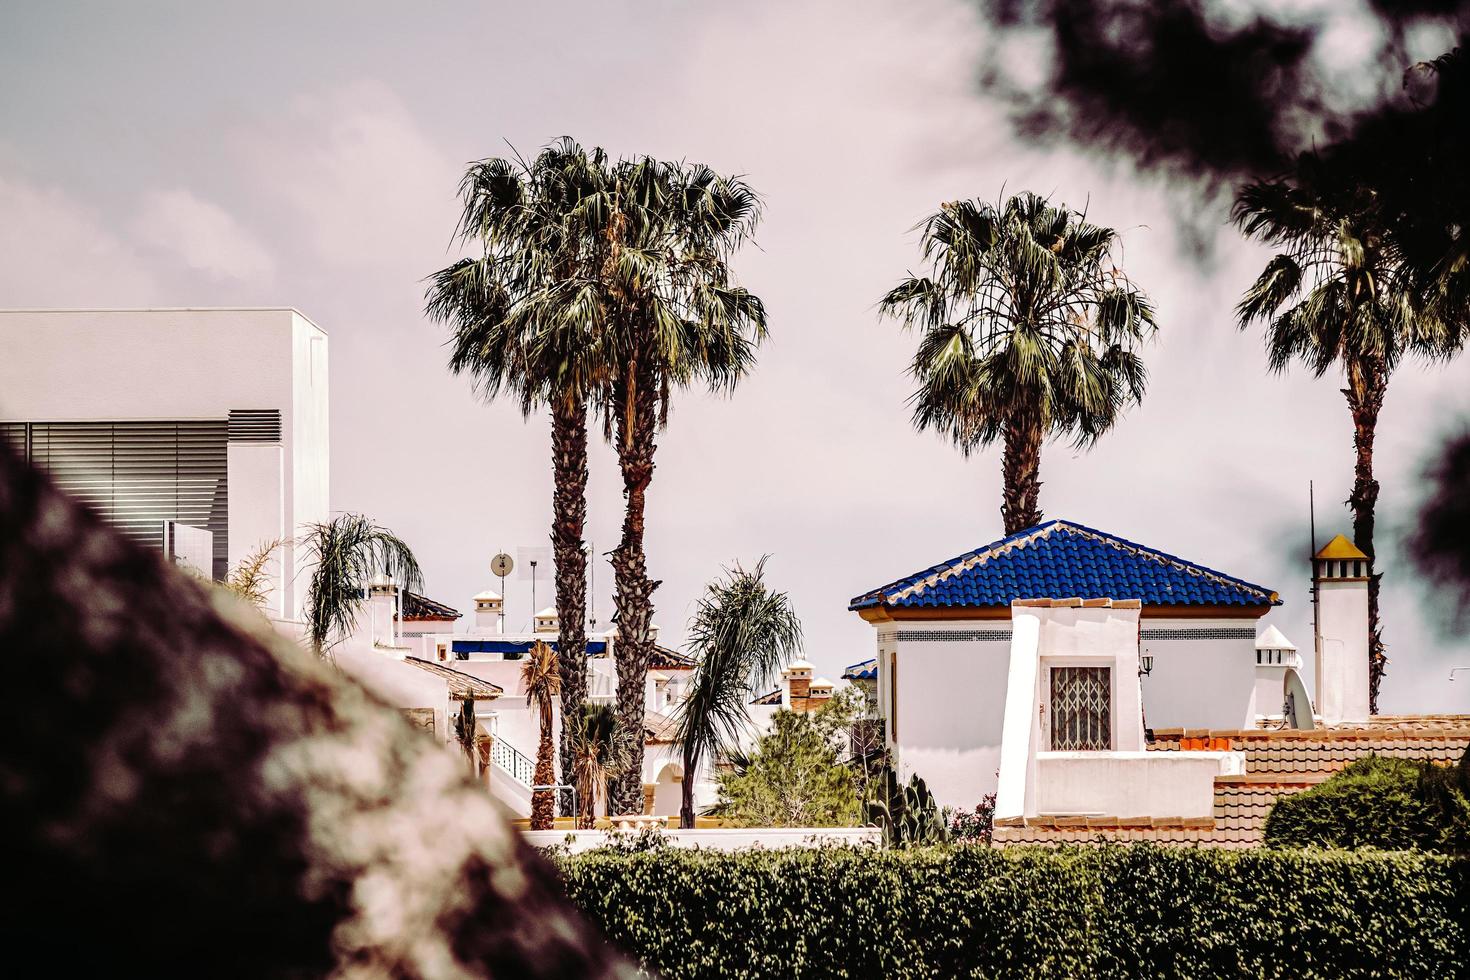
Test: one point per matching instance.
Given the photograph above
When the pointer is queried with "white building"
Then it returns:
(945, 636)
(485, 650)
(212, 421)
(1101, 689)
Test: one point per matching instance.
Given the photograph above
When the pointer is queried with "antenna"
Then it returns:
(1316, 599)
(534, 610)
(502, 565)
(591, 553)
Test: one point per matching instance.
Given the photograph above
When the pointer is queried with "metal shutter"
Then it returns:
(137, 475)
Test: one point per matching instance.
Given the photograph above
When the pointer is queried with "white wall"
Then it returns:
(1199, 681)
(395, 682)
(76, 365)
(1131, 784)
(950, 707)
(1342, 659)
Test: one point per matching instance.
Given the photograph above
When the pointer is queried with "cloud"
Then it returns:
(366, 184)
(54, 251)
(204, 235)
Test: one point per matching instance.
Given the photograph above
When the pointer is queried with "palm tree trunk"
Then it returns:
(1367, 384)
(686, 808)
(635, 407)
(543, 804)
(1021, 471)
(568, 520)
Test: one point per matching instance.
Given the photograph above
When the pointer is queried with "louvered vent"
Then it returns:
(14, 435)
(136, 475)
(255, 425)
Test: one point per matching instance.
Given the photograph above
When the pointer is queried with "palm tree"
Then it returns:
(345, 553)
(541, 677)
(527, 319)
(601, 752)
(1338, 295)
(742, 632)
(1027, 329)
(678, 319)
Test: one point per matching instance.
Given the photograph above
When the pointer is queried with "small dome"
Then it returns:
(821, 682)
(1274, 639)
(487, 596)
(798, 665)
(548, 613)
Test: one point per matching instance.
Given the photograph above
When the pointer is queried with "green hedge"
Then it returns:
(1079, 912)
(1393, 804)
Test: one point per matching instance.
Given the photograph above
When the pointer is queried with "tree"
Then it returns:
(601, 751)
(466, 731)
(793, 778)
(678, 320)
(1336, 295)
(345, 553)
(250, 579)
(1027, 329)
(528, 318)
(541, 678)
(742, 633)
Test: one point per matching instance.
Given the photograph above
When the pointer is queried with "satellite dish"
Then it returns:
(1296, 708)
(501, 565)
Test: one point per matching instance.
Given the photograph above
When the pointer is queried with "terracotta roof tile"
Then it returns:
(1277, 764)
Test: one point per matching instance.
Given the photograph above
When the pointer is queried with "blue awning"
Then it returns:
(594, 647)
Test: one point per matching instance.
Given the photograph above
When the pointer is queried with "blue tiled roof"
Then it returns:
(1063, 560)
(865, 671)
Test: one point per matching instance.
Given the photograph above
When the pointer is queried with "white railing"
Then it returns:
(521, 767)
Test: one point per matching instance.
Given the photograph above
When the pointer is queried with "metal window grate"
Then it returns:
(255, 425)
(137, 475)
(1081, 708)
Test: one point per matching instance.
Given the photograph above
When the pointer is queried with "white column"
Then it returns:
(257, 514)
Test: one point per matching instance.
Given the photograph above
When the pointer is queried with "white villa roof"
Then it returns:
(1274, 639)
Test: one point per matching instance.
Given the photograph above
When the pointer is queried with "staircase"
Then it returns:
(512, 774)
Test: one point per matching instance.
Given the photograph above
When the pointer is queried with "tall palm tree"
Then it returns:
(1027, 329)
(742, 633)
(1337, 295)
(601, 752)
(527, 316)
(345, 553)
(678, 320)
(541, 678)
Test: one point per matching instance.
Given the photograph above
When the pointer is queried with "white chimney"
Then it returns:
(1275, 655)
(488, 609)
(1340, 574)
(382, 604)
(547, 622)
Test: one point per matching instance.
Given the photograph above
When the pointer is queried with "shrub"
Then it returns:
(1104, 912)
(974, 825)
(1392, 804)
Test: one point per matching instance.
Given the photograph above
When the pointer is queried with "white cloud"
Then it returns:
(202, 234)
(54, 251)
(370, 189)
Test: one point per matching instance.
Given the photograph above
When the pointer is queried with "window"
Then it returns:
(893, 694)
(1081, 709)
(137, 475)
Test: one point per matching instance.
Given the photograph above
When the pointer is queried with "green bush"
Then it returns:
(1108, 912)
(1393, 804)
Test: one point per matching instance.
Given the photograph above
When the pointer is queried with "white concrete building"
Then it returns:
(1123, 693)
(212, 420)
(945, 639)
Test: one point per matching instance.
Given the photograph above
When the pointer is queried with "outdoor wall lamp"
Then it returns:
(1145, 665)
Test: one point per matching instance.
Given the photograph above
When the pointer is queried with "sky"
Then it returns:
(308, 155)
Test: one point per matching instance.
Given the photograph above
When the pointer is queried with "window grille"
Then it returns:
(1081, 709)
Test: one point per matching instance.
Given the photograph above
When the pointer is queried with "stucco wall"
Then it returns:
(950, 708)
(1131, 784)
(1203, 672)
